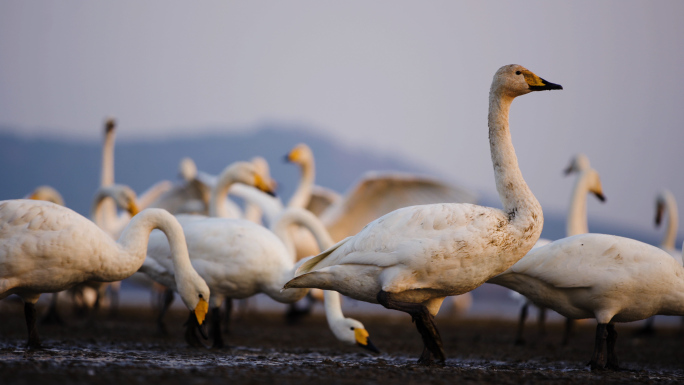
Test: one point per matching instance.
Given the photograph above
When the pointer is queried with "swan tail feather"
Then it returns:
(310, 264)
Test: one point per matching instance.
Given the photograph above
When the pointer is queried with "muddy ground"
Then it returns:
(127, 350)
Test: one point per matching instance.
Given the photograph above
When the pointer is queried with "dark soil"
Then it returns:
(127, 350)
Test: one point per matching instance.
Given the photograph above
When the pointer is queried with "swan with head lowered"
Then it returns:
(412, 258)
(588, 181)
(46, 248)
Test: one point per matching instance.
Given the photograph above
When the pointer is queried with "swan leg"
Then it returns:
(191, 326)
(229, 311)
(166, 301)
(598, 359)
(569, 322)
(541, 321)
(52, 316)
(425, 324)
(610, 345)
(216, 328)
(114, 289)
(647, 330)
(30, 315)
(519, 340)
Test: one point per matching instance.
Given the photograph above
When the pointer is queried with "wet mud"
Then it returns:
(263, 349)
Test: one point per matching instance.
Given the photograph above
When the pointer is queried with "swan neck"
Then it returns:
(136, 235)
(302, 195)
(304, 218)
(219, 194)
(517, 198)
(672, 223)
(107, 172)
(274, 291)
(333, 308)
(577, 215)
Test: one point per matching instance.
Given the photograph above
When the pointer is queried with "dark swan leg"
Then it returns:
(30, 315)
(294, 314)
(611, 340)
(52, 316)
(648, 329)
(598, 359)
(541, 321)
(216, 328)
(424, 323)
(569, 322)
(519, 340)
(229, 312)
(167, 300)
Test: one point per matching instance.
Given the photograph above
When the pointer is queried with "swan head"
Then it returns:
(514, 80)
(352, 332)
(194, 292)
(110, 125)
(47, 193)
(247, 173)
(264, 170)
(187, 169)
(124, 197)
(301, 154)
(594, 183)
(578, 163)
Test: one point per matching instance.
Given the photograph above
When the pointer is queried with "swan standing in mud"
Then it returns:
(412, 258)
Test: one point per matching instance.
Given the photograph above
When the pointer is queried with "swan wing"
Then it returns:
(377, 194)
(321, 199)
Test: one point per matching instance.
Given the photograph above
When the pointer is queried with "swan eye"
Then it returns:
(518, 72)
(201, 296)
(351, 328)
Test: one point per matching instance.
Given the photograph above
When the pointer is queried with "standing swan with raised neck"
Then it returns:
(412, 258)
(46, 248)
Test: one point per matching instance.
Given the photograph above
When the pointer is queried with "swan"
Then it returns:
(413, 257)
(238, 259)
(666, 204)
(610, 278)
(46, 248)
(588, 181)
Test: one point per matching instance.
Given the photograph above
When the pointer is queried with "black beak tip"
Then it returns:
(601, 197)
(371, 347)
(286, 158)
(271, 193)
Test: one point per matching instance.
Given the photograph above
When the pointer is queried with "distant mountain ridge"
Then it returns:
(73, 168)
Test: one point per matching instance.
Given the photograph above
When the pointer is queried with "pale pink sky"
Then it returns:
(407, 78)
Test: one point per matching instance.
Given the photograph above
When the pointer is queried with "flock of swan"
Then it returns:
(403, 241)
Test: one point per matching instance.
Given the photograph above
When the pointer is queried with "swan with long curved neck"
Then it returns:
(347, 330)
(412, 258)
(47, 248)
(666, 205)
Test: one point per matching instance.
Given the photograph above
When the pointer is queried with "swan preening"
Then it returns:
(411, 258)
(46, 248)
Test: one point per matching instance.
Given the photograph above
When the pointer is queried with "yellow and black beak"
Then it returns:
(262, 185)
(600, 196)
(538, 84)
(201, 310)
(293, 156)
(363, 341)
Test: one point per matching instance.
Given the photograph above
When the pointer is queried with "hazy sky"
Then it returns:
(408, 78)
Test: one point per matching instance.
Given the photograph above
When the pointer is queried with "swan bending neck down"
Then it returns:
(412, 258)
(238, 172)
(49, 248)
(610, 278)
(347, 330)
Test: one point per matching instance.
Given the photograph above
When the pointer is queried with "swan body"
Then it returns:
(413, 257)
(49, 248)
(610, 278)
